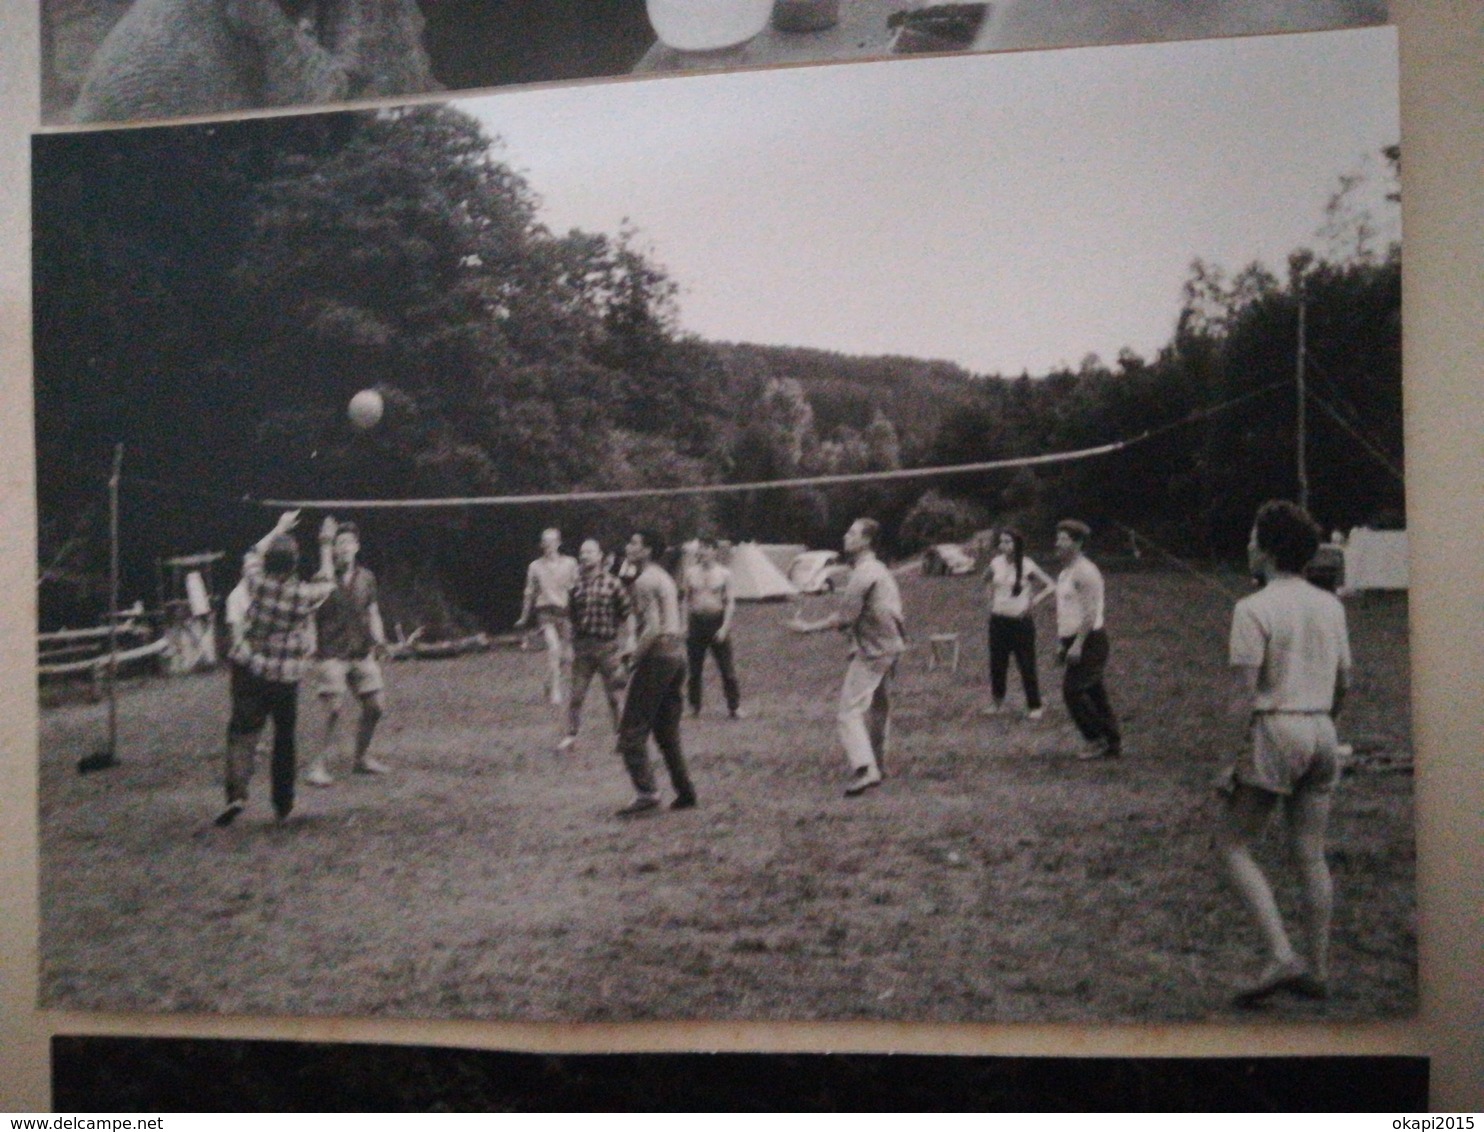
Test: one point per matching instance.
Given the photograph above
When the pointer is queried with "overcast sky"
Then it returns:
(1008, 212)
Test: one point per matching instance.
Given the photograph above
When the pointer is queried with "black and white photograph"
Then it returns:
(918, 541)
(134, 60)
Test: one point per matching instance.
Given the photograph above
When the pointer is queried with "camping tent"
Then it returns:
(754, 578)
(782, 554)
(1376, 560)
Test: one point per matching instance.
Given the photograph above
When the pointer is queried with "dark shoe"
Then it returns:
(1291, 976)
(1099, 749)
(640, 805)
(282, 812)
(229, 815)
(1308, 986)
(684, 802)
(862, 780)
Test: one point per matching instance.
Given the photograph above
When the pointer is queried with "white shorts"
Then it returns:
(1291, 752)
(336, 676)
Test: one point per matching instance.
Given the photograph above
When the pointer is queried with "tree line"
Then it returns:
(211, 297)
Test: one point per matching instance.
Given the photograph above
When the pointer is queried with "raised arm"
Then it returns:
(326, 571)
(286, 522)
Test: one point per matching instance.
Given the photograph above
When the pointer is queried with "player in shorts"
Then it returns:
(1291, 649)
(548, 596)
(350, 636)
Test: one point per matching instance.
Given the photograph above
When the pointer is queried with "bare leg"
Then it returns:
(1247, 816)
(553, 638)
(319, 771)
(1308, 819)
(371, 712)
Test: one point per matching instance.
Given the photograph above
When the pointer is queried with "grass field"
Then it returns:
(992, 877)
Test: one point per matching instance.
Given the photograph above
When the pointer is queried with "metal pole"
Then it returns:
(113, 600)
(1301, 447)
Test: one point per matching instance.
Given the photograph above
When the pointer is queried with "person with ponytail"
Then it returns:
(1014, 585)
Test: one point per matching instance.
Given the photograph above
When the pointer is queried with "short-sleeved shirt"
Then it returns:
(550, 580)
(872, 609)
(599, 605)
(706, 588)
(1295, 635)
(343, 622)
(1000, 581)
(277, 629)
(1079, 591)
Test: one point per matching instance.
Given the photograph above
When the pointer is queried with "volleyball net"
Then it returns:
(936, 471)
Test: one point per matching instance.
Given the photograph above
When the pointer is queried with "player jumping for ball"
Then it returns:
(351, 638)
(269, 660)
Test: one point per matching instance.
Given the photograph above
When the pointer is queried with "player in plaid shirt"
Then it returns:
(269, 660)
(600, 610)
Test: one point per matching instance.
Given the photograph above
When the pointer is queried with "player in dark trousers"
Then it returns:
(1084, 643)
(270, 659)
(709, 605)
(653, 705)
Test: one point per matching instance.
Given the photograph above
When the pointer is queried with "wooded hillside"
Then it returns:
(211, 297)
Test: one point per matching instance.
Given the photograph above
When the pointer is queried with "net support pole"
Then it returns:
(113, 600)
(1301, 424)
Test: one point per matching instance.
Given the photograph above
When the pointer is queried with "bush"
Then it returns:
(938, 518)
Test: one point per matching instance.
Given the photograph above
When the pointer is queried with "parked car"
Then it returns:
(818, 571)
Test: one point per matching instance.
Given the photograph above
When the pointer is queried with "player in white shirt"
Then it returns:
(1291, 651)
(1084, 643)
(1014, 585)
(549, 582)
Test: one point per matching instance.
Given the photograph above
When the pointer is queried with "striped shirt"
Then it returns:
(600, 605)
(276, 639)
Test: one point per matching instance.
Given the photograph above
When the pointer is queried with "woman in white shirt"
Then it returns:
(1010, 585)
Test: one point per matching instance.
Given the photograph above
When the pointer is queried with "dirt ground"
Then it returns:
(992, 877)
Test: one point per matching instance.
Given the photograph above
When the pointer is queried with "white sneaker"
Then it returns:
(565, 744)
(862, 780)
(1035, 713)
